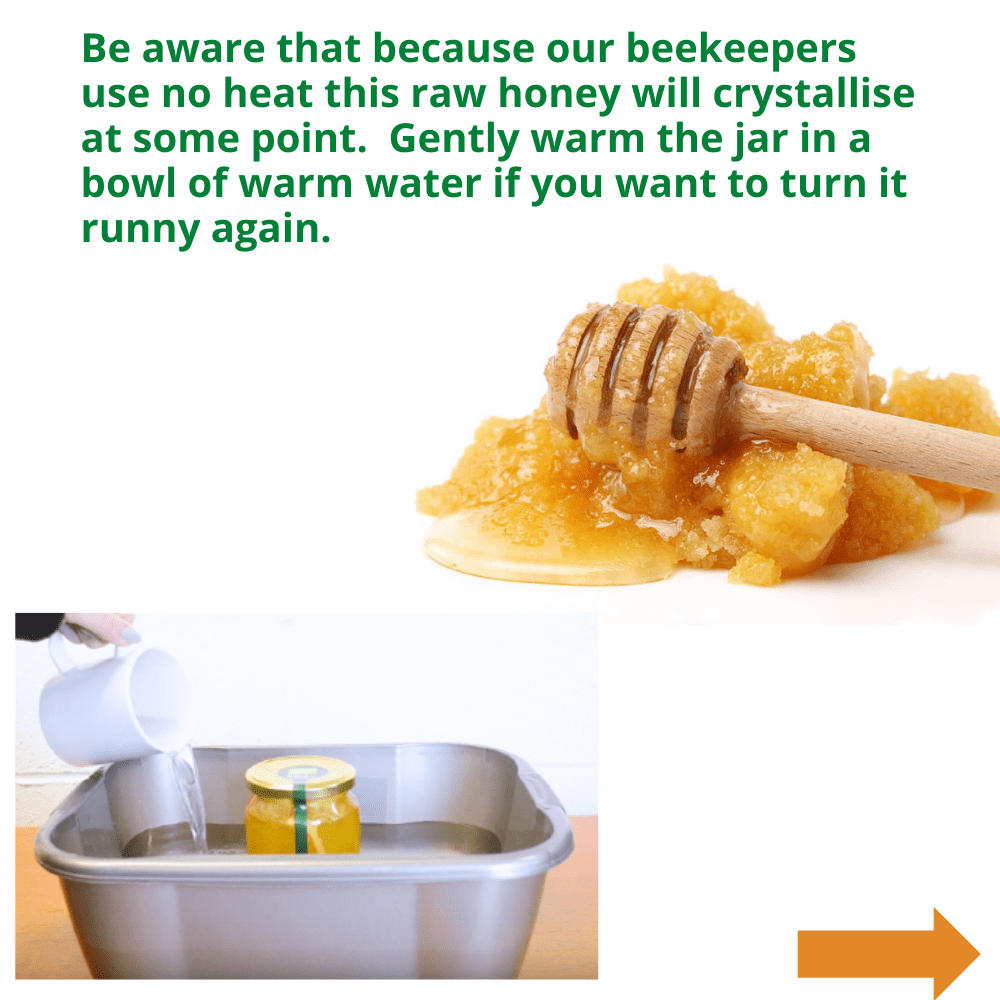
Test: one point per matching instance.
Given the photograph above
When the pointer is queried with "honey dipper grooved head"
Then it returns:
(624, 373)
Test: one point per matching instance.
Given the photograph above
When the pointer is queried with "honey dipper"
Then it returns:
(658, 374)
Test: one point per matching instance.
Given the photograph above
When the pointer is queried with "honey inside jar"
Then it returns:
(302, 805)
(525, 503)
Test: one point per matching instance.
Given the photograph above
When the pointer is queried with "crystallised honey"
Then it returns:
(526, 503)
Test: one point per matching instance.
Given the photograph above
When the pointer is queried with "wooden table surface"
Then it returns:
(563, 944)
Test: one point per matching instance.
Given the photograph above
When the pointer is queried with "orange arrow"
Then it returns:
(941, 954)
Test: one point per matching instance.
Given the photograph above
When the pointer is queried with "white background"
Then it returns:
(232, 432)
(796, 784)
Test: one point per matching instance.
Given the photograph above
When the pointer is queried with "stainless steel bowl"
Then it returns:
(456, 841)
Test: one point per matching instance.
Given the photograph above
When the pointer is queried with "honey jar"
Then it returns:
(302, 805)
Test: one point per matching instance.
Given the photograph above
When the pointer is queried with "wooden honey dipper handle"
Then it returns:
(867, 437)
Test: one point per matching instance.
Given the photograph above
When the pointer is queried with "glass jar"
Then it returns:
(302, 805)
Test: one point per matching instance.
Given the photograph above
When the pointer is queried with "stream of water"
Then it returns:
(186, 776)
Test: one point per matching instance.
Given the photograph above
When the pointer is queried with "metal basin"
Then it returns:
(456, 841)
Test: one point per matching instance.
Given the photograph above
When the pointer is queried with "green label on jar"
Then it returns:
(301, 820)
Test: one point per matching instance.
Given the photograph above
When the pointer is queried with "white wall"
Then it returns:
(522, 683)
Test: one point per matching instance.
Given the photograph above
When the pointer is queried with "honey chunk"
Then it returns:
(832, 367)
(755, 569)
(955, 400)
(886, 510)
(788, 502)
(504, 454)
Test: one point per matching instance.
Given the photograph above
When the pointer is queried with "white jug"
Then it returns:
(121, 708)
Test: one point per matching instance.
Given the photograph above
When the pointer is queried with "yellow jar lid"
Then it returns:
(279, 777)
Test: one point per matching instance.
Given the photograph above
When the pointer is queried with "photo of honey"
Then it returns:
(528, 502)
